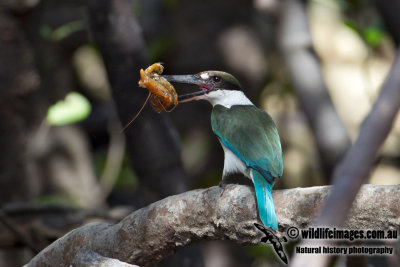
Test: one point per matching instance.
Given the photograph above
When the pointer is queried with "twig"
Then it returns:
(355, 168)
(12, 226)
(49, 222)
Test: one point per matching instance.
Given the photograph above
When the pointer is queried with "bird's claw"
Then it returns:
(222, 185)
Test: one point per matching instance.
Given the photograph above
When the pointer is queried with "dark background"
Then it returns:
(315, 66)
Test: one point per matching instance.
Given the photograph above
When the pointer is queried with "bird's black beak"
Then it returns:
(189, 79)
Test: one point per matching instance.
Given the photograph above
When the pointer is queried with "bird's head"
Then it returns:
(209, 84)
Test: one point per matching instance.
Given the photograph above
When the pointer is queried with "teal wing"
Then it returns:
(252, 135)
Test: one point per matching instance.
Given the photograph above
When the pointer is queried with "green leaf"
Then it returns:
(61, 32)
(73, 109)
(373, 36)
(67, 29)
(352, 25)
(63, 199)
(45, 31)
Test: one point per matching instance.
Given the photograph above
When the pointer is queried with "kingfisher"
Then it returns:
(247, 134)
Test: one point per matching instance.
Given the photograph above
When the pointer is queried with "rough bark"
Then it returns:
(151, 233)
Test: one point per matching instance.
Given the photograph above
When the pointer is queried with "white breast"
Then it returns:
(232, 164)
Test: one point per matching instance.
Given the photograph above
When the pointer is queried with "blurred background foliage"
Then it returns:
(76, 149)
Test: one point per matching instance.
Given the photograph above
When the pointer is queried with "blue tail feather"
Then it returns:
(264, 200)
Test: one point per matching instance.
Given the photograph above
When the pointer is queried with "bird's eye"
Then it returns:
(216, 78)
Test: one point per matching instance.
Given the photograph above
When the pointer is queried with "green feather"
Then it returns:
(252, 135)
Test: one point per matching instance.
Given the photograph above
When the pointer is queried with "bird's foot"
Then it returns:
(222, 185)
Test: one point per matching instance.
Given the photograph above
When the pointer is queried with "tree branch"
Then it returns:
(151, 233)
(307, 78)
(389, 10)
(355, 168)
(38, 223)
(118, 34)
